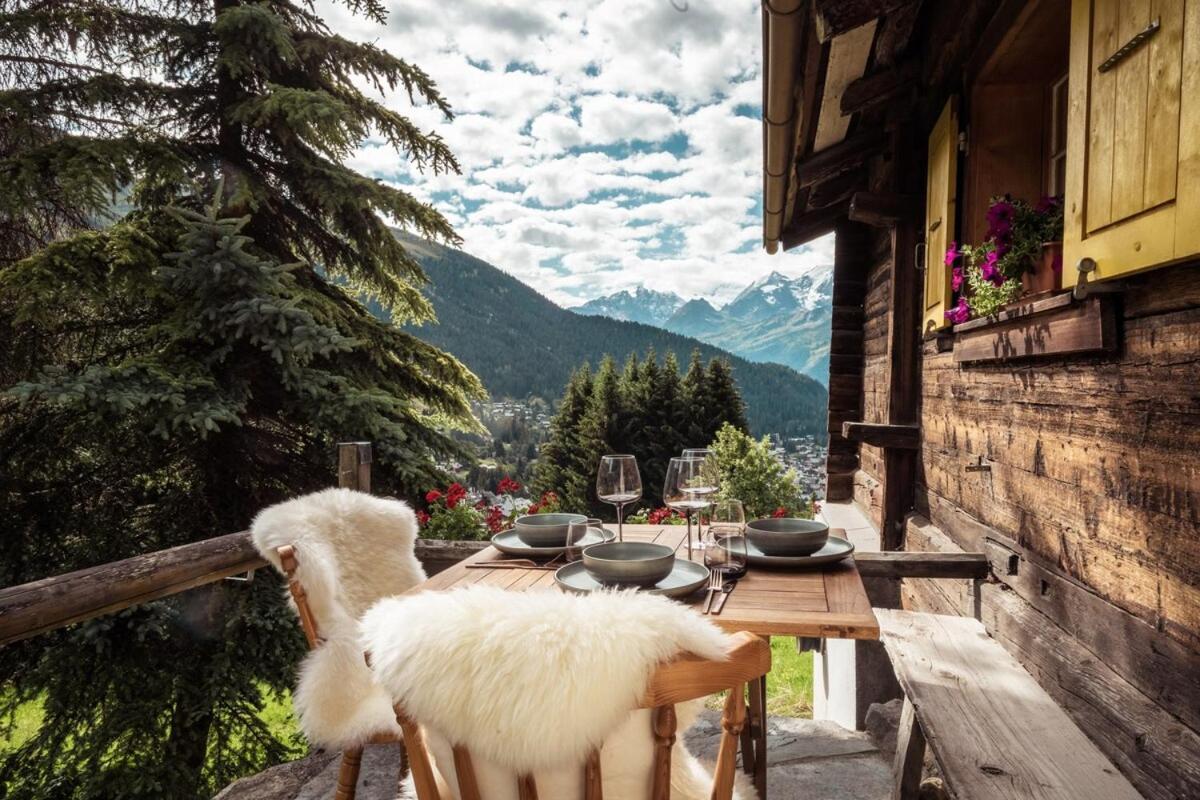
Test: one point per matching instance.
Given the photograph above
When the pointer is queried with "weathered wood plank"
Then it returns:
(903, 437)
(62, 600)
(996, 733)
(901, 564)
(881, 210)
(838, 16)
(1086, 327)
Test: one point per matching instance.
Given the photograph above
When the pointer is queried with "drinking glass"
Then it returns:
(618, 482)
(725, 540)
(576, 533)
(687, 489)
(710, 472)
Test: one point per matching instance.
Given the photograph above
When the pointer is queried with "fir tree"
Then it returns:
(599, 429)
(170, 374)
(557, 467)
(698, 415)
(726, 404)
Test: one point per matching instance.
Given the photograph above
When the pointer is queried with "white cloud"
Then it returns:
(600, 141)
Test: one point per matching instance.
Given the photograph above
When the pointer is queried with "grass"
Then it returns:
(789, 683)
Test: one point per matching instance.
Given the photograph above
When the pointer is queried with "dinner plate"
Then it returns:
(685, 578)
(835, 549)
(507, 542)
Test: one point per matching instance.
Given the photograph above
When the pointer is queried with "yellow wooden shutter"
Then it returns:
(1133, 151)
(940, 196)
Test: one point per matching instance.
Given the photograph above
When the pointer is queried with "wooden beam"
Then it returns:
(902, 564)
(838, 189)
(62, 600)
(809, 226)
(881, 210)
(839, 158)
(834, 17)
(895, 31)
(900, 437)
(879, 87)
(354, 466)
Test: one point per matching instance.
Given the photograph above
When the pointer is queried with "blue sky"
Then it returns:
(605, 145)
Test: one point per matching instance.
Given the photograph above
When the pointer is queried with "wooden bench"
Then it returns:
(994, 731)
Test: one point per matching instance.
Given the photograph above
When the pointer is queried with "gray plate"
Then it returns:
(685, 578)
(507, 542)
(834, 550)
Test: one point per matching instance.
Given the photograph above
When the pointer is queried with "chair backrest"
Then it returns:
(685, 678)
(505, 686)
(342, 551)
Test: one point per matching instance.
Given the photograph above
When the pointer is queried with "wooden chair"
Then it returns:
(685, 678)
(347, 784)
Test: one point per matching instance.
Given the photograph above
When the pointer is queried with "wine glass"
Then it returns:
(618, 482)
(725, 540)
(686, 489)
(576, 533)
(710, 469)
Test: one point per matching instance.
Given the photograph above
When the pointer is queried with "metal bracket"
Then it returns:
(1130, 46)
(978, 466)
(1085, 267)
(919, 256)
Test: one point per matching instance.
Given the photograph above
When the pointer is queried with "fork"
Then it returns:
(714, 587)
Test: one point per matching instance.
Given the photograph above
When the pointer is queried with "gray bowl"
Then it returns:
(784, 536)
(545, 530)
(632, 563)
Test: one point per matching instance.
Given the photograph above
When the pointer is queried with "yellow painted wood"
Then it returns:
(941, 198)
(1133, 151)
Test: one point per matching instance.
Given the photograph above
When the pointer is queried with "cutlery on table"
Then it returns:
(514, 563)
(725, 592)
(714, 586)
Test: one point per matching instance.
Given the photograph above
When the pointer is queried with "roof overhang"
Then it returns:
(827, 65)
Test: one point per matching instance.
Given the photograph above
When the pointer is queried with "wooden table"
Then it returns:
(827, 603)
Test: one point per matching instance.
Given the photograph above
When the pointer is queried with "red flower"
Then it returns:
(660, 515)
(422, 518)
(779, 512)
(454, 493)
(495, 519)
(533, 508)
(508, 486)
(432, 496)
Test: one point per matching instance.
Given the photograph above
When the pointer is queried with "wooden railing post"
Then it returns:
(354, 466)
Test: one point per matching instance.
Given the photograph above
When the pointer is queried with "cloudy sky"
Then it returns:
(605, 144)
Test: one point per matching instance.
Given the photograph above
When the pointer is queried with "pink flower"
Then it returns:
(956, 277)
(952, 254)
(990, 271)
(960, 313)
(1047, 204)
(1000, 217)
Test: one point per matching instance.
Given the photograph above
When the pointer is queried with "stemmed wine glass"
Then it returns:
(619, 482)
(710, 469)
(687, 488)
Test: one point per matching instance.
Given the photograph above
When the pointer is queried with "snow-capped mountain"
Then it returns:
(775, 319)
(643, 305)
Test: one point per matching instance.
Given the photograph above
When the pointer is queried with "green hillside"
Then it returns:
(520, 344)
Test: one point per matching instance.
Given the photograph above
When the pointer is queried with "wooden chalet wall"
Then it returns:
(1090, 509)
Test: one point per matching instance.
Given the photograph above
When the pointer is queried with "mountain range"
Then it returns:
(776, 319)
(520, 343)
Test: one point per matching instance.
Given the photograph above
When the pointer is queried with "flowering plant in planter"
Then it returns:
(656, 516)
(1021, 253)
(451, 517)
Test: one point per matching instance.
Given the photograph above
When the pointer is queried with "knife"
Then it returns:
(725, 590)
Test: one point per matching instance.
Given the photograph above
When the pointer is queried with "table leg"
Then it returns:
(758, 712)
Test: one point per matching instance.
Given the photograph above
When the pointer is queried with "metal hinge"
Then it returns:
(963, 143)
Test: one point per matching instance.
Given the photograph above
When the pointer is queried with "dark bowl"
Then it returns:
(784, 536)
(631, 563)
(545, 530)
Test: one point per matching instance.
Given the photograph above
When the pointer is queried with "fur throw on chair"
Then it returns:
(351, 550)
(532, 682)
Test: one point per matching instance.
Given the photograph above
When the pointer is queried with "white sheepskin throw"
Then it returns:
(351, 550)
(531, 682)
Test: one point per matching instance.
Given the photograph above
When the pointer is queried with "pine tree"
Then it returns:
(697, 426)
(172, 373)
(725, 400)
(599, 430)
(557, 467)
